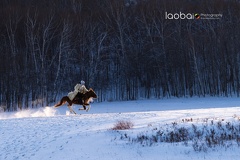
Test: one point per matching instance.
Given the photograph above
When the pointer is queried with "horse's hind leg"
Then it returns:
(71, 110)
(60, 103)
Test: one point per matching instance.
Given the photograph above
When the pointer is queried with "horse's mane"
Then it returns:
(91, 92)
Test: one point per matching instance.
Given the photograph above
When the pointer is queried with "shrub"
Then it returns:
(209, 134)
(122, 125)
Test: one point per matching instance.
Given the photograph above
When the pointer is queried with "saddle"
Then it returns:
(79, 98)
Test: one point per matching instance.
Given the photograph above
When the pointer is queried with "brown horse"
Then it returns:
(80, 99)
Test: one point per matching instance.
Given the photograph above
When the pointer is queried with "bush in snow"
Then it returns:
(122, 125)
(202, 137)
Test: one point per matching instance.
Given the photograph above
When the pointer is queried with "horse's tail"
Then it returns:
(62, 101)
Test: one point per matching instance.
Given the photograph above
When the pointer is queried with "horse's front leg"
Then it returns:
(88, 108)
(84, 107)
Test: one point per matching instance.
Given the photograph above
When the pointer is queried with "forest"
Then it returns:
(123, 49)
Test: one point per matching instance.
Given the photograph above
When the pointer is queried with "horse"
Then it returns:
(80, 99)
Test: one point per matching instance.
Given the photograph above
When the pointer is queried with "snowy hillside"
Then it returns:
(49, 133)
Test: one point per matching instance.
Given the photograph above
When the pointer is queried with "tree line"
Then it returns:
(123, 49)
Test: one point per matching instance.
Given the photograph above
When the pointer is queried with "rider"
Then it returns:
(81, 87)
(78, 88)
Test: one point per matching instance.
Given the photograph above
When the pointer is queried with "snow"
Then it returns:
(54, 133)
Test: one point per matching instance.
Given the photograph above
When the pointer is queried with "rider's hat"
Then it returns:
(82, 82)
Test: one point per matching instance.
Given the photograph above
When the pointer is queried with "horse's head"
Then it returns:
(91, 93)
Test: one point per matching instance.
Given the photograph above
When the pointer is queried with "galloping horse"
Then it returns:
(80, 99)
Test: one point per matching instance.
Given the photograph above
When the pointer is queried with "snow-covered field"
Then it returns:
(53, 133)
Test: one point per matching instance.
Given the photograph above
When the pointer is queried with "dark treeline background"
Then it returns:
(123, 49)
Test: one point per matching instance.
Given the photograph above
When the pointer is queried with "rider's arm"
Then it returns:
(77, 87)
(84, 89)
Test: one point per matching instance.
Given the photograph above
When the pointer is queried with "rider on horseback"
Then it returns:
(78, 88)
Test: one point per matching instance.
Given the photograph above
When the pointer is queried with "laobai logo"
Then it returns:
(179, 15)
(197, 16)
